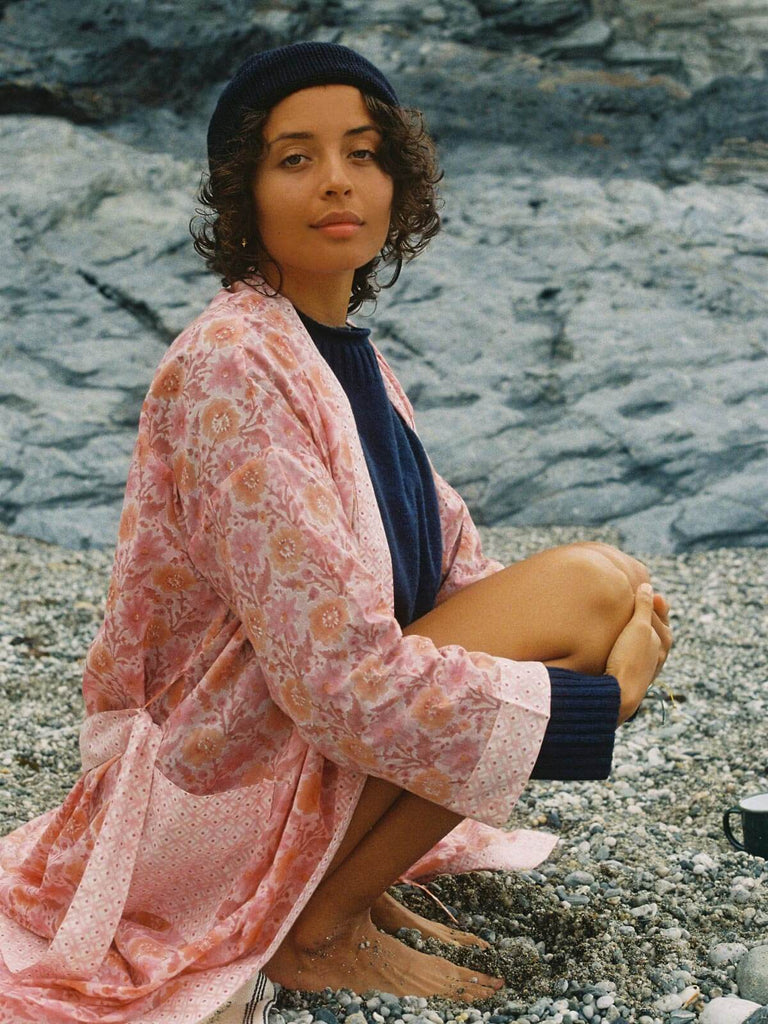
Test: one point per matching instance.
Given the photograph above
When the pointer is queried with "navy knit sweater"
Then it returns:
(578, 742)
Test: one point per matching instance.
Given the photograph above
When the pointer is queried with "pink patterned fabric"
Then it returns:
(247, 677)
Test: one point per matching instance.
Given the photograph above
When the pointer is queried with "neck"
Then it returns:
(322, 297)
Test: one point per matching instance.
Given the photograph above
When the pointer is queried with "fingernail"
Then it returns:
(646, 588)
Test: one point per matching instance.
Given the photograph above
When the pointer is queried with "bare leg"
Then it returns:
(334, 941)
(565, 607)
(387, 913)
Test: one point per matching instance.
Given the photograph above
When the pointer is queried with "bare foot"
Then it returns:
(389, 915)
(360, 957)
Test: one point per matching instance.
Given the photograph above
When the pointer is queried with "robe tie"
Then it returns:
(86, 931)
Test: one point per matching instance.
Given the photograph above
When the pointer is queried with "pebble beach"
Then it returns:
(644, 912)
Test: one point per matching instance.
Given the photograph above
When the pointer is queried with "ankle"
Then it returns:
(312, 933)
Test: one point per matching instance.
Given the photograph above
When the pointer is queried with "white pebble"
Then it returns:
(726, 953)
(727, 1010)
(672, 1001)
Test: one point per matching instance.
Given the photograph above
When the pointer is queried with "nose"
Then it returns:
(337, 181)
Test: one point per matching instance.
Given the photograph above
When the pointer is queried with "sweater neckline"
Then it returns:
(326, 334)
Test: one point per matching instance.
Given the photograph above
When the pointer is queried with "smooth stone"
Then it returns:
(325, 1015)
(579, 878)
(670, 1002)
(578, 899)
(726, 953)
(587, 40)
(727, 1010)
(356, 1018)
(759, 1016)
(647, 910)
(752, 975)
(634, 54)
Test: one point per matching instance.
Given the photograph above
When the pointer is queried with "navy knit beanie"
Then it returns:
(267, 77)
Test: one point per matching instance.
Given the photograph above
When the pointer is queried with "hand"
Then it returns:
(640, 650)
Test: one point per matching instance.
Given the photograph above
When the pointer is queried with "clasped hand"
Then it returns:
(641, 649)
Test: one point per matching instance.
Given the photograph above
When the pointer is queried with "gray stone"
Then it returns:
(356, 1018)
(726, 952)
(588, 40)
(752, 974)
(630, 54)
(727, 1010)
(527, 14)
(668, 1003)
(580, 347)
(579, 878)
(759, 1016)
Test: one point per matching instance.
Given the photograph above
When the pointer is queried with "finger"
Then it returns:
(661, 607)
(644, 602)
(663, 631)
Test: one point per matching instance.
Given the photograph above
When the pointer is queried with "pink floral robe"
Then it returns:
(247, 677)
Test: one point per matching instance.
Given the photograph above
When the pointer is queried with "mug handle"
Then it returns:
(727, 827)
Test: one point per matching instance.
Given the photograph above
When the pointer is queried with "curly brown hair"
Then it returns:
(407, 153)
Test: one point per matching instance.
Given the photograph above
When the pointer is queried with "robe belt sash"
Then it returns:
(88, 927)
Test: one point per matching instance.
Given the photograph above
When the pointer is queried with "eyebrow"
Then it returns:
(359, 130)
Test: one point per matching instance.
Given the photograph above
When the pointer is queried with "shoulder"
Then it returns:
(245, 362)
(245, 335)
(242, 317)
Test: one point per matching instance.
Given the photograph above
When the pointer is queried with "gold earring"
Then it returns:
(244, 241)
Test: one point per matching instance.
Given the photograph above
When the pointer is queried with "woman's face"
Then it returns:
(322, 201)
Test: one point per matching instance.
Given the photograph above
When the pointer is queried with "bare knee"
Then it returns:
(632, 568)
(606, 593)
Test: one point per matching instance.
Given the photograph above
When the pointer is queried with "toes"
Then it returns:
(465, 939)
(471, 992)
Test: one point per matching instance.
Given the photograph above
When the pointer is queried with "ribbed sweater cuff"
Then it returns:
(584, 714)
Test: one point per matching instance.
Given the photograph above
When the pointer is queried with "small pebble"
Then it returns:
(324, 1015)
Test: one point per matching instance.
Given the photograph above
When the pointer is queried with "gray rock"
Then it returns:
(730, 1010)
(527, 14)
(726, 953)
(356, 1018)
(588, 40)
(752, 975)
(630, 54)
(579, 347)
(579, 878)
(668, 1003)
(759, 1016)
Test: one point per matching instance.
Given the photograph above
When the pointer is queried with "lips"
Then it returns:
(340, 217)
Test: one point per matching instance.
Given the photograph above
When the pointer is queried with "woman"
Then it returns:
(283, 716)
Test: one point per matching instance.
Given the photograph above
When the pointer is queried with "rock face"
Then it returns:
(585, 342)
